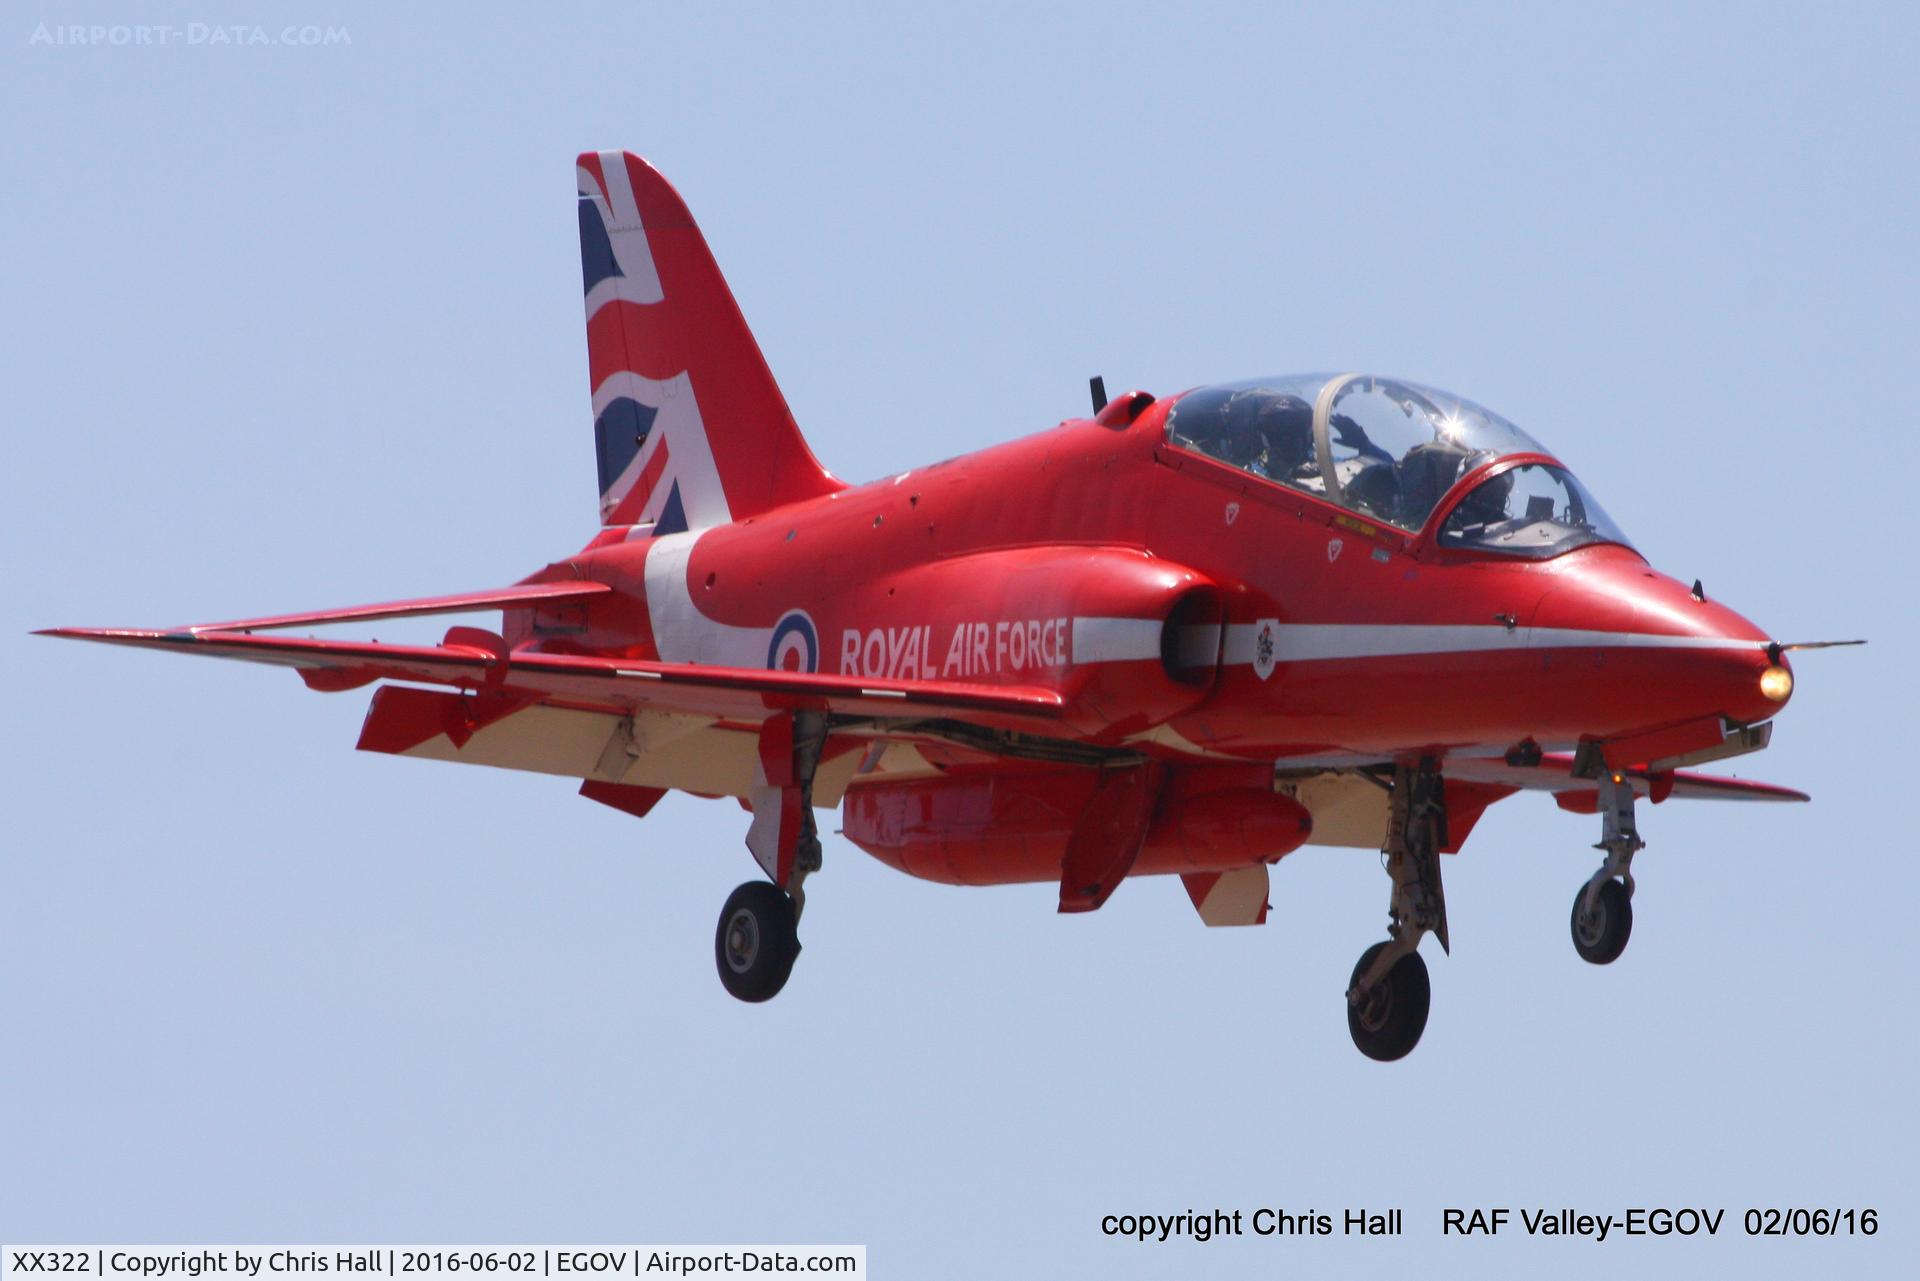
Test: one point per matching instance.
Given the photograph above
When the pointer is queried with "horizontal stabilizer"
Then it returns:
(614, 684)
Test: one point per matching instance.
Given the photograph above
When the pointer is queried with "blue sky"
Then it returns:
(294, 327)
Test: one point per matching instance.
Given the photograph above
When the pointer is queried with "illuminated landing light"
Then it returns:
(1776, 683)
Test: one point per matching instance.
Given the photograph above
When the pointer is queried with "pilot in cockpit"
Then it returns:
(1426, 474)
(1258, 431)
(1366, 475)
(1283, 426)
(1404, 490)
(1484, 506)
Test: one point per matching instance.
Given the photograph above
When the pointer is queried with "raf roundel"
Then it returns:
(795, 646)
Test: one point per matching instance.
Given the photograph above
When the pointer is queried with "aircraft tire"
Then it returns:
(1387, 1025)
(1601, 937)
(756, 943)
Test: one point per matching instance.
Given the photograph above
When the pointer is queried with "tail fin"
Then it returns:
(689, 427)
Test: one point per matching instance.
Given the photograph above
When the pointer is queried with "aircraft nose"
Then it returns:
(1745, 685)
(1680, 653)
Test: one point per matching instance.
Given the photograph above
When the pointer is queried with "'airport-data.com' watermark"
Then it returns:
(187, 35)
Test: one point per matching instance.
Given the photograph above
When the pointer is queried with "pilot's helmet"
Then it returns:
(1286, 423)
(1241, 442)
(1487, 502)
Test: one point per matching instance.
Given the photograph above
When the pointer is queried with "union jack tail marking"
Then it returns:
(690, 429)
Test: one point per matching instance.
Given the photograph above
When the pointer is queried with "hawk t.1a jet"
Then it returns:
(1181, 637)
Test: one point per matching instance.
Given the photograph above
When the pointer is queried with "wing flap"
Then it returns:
(1235, 897)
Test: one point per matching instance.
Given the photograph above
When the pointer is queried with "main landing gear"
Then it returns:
(1603, 909)
(756, 945)
(756, 942)
(1388, 998)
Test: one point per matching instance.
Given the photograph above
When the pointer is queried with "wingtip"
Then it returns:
(107, 634)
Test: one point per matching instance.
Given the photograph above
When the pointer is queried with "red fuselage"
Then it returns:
(1415, 648)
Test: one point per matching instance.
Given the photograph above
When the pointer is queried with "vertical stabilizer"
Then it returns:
(690, 429)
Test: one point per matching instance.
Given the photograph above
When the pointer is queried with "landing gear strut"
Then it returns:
(1603, 909)
(1388, 998)
(756, 943)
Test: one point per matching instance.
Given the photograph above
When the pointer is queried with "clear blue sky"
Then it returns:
(293, 327)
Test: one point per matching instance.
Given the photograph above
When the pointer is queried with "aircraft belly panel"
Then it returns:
(1346, 810)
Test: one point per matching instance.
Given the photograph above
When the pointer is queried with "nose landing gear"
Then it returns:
(1388, 998)
(1603, 909)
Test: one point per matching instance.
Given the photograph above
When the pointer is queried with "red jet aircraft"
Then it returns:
(1183, 636)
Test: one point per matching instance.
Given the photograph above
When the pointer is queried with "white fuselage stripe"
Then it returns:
(1115, 640)
(1322, 642)
(684, 634)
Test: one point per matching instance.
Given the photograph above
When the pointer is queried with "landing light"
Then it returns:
(1776, 683)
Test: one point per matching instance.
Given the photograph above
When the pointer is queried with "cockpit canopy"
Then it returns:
(1390, 450)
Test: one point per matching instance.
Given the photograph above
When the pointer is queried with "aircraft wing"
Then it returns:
(479, 661)
(1351, 810)
(521, 595)
(1554, 774)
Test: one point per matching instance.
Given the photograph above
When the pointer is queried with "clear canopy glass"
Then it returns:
(1533, 510)
(1384, 448)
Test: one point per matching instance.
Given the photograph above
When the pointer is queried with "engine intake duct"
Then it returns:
(1190, 639)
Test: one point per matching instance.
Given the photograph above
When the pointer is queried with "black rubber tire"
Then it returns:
(1602, 937)
(756, 943)
(1387, 1025)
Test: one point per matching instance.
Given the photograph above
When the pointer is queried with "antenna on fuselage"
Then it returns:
(1098, 386)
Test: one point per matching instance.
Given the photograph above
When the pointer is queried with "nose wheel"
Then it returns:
(757, 941)
(1602, 922)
